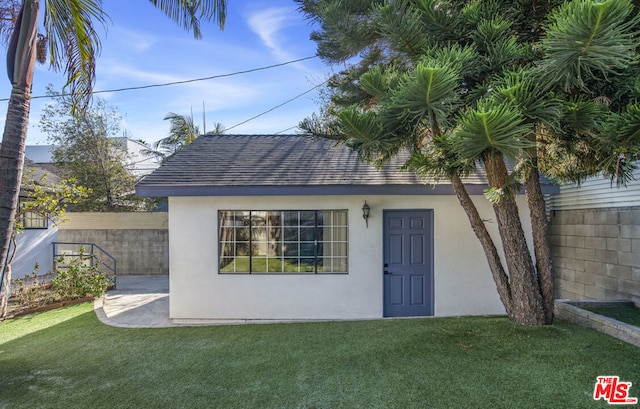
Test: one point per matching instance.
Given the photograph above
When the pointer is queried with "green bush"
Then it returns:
(81, 277)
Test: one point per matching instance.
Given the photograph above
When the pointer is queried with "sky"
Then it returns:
(142, 47)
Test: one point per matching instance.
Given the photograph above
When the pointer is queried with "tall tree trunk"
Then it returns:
(491, 253)
(20, 64)
(540, 231)
(527, 300)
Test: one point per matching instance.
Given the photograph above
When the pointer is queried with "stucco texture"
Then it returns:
(462, 282)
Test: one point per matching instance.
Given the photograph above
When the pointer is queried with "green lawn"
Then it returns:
(66, 358)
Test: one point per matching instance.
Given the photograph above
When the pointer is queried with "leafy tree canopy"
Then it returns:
(85, 149)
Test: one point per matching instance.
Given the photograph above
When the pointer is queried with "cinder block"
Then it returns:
(604, 282)
(606, 256)
(585, 230)
(575, 264)
(574, 287)
(619, 272)
(630, 216)
(574, 217)
(564, 274)
(606, 217)
(629, 259)
(557, 240)
(615, 295)
(595, 242)
(566, 252)
(575, 241)
(559, 262)
(629, 287)
(594, 267)
(630, 231)
(618, 244)
(595, 293)
(567, 230)
(586, 254)
(607, 230)
(585, 278)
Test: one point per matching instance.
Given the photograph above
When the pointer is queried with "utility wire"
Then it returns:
(184, 81)
(285, 130)
(276, 107)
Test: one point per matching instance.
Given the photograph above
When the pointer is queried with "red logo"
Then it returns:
(613, 391)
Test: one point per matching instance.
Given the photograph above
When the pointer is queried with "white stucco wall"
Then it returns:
(462, 281)
(34, 246)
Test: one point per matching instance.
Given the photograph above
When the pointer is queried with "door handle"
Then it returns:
(387, 273)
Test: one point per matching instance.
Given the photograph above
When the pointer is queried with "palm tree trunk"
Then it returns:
(491, 252)
(20, 62)
(527, 300)
(540, 230)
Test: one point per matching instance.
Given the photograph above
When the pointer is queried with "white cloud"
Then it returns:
(268, 23)
(132, 40)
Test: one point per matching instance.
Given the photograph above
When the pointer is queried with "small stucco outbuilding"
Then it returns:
(271, 228)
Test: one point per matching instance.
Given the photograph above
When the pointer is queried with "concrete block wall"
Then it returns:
(596, 253)
(138, 241)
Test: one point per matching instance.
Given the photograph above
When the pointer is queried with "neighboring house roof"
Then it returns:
(37, 172)
(39, 153)
(253, 165)
(139, 163)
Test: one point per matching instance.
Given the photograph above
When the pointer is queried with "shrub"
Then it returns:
(81, 277)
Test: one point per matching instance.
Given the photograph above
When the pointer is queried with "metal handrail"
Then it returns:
(93, 246)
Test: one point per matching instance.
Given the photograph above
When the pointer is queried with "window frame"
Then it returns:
(338, 242)
(41, 221)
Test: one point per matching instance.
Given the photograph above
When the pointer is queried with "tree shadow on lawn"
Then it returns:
(67, 358)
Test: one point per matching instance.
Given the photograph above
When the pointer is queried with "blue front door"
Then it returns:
(408, 263)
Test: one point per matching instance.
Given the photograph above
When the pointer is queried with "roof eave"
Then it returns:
(313, 190)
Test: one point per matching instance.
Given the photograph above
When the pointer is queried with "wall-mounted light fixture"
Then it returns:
(365, 213)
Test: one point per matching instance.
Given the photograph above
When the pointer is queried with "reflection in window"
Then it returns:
(289, 241)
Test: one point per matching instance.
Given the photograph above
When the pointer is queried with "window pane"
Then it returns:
(274, 265)
(242, 248)
(291, 234)
(258, 248)
(339, 249)
(307, 249)
(306, 241)
(275, 219)
(340, 218)
(274, 249)
(242, 233)
(291, 265)
(308, 218)
(227, 219)
(291, 249)
(35, 221)
(307, 265)
(258, 264)
(234, 265)
(340, 265)
(290, 218)
(307, 234)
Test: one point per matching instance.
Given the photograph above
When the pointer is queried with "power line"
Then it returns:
(285, 130)
(166, 84)
(276, 107)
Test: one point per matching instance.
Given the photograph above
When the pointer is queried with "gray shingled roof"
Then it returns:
(239, 165)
